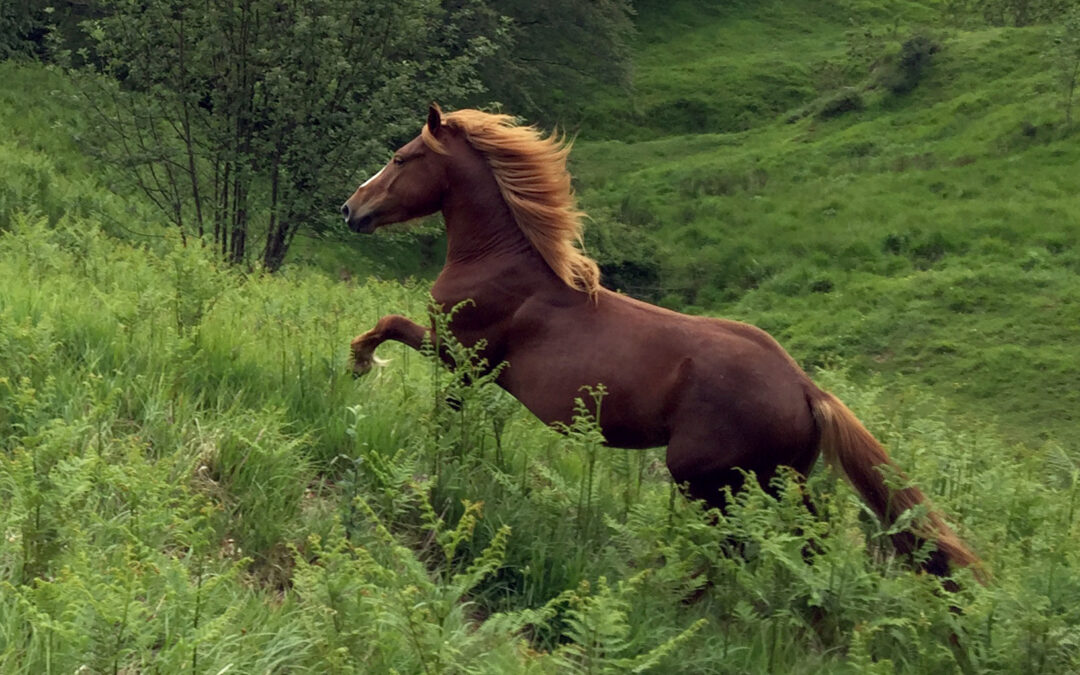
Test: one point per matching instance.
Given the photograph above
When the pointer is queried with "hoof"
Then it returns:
(362, 366)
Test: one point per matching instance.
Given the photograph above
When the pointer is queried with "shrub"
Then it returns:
(23, 29)
(903, 72)
(847, 99)
(627, 257)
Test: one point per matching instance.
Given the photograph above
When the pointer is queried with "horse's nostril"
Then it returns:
(345, 211)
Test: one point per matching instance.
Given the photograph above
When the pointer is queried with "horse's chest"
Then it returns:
(472, 320)
(475, 308)
(452, 293)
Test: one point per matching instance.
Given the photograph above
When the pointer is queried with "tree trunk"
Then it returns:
(221, 237)
(277, 244)
(274, 251)
(238, 240)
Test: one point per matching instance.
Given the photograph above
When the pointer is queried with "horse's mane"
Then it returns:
(531, 173)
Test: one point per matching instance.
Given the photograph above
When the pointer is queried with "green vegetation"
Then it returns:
(191, 482)
(236, 117)
(930, 234)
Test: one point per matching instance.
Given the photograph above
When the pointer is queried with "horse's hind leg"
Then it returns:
(708, 469)
(708, 485)
(705, 470)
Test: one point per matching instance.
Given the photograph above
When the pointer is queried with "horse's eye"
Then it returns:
(398, 159)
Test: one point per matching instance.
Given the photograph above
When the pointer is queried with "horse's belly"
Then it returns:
(634, 437)
(630, 417)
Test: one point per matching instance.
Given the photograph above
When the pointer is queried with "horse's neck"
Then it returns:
(485, 245)
(480, 226)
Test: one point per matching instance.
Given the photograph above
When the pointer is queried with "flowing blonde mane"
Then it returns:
(531, 173)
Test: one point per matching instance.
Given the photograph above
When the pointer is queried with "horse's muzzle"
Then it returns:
(362, 222)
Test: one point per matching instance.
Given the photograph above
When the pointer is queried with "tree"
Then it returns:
(562, 49)
(1068, 58)
(252, 116)
(24, 26)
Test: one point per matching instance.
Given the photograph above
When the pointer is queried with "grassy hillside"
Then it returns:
(190, 481)
(933, 235)
(715, 67)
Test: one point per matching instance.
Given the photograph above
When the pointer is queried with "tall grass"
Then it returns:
(190, 481)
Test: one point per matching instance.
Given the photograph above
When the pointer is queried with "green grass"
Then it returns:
(190, 480)
(177, 437)
(931, 237)
(704, 67)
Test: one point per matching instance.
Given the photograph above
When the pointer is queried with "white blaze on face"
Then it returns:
(365, 183)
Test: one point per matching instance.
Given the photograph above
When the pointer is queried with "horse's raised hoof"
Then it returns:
(362, 365)
(360, 369)
(362, 355)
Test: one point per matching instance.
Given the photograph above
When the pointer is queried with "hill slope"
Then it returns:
(190, 480)
(933, 234)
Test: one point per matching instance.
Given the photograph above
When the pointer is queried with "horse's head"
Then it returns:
(411, 185)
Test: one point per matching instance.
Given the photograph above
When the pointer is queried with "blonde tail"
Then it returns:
(849, 447)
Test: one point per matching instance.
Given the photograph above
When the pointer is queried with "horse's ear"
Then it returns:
(434, 118)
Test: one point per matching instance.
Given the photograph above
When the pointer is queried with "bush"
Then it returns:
(23, 29)
(903, 73)
(627, 256)
(847, 99)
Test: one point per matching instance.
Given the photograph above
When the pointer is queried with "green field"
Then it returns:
(190, 481)
(931, 238)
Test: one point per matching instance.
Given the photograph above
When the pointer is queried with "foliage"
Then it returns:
(230, 114)
(560, 52)
(929, 238)
(24, 25)
(1012, 12)
(901, 74)
(190, 480)
(1067, 58)
(626, 255)
(847, 99)
(726, 67)
(218, 493)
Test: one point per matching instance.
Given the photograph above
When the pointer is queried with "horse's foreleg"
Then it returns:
(390, 327)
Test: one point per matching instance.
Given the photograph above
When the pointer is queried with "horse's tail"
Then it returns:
(848, 446)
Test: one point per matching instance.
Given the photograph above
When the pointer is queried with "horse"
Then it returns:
(722, 396)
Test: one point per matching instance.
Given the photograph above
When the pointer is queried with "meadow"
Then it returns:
(929, 237)
(192, 481)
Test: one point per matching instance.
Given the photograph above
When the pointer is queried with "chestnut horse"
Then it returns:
(723, 396)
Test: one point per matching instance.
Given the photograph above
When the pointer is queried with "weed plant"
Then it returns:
(190, 481)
